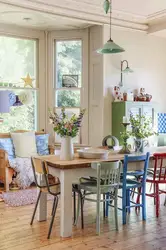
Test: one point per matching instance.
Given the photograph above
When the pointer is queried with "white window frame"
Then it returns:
(25, 33)
(70, 35)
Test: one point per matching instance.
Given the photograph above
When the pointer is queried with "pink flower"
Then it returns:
(69, 126)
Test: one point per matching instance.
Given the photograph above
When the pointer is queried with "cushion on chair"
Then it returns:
(42, 144)
(24, 144)
(135, 173)
(7, 145)
(130, 184)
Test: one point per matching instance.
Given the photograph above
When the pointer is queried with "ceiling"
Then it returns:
(142, 7)
(142, 15)
(15, 15)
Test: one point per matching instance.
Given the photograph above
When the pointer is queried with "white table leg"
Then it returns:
(66, 203)
(42, 206)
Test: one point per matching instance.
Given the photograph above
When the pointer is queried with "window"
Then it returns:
(17, 59)
(68, 80)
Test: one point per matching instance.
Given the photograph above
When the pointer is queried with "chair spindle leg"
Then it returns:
(37, 202)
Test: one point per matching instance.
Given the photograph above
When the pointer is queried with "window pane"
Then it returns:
(69, 113)
(68, 60)
(20, 117)
(17, 58)
(68, 98)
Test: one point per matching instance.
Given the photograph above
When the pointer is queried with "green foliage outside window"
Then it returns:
(69, 61)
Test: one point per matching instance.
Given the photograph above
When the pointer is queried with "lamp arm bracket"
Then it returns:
(122, 62)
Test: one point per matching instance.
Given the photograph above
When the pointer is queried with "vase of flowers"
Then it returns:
(142, 128)
(67, 150)
(68, 128)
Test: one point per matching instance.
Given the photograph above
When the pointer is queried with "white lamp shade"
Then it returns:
(4, 102)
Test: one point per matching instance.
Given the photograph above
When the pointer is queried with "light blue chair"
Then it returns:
(128, 185)
(106, 179)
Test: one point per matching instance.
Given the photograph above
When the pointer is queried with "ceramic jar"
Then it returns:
(67, 151)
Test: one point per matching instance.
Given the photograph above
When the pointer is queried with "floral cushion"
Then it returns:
(7, 145)
(42, 144)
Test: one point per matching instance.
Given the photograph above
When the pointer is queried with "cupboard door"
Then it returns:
(134, 110)
(150, 112)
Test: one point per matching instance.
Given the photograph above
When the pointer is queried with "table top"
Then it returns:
(54, 161)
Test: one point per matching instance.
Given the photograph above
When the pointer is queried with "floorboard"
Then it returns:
(17, 234)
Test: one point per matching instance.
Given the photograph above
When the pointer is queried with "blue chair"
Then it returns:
(128, 185)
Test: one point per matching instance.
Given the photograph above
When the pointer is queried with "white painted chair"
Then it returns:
(108, 179)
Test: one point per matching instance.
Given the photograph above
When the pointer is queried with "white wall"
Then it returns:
(95, 87)
(146, 55)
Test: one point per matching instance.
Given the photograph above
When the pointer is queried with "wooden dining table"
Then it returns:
(68, 173)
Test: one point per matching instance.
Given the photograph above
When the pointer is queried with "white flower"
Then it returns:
(26, 97)
(50, 121)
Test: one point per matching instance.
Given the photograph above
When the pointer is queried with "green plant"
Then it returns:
(125, 136)
(141, 127)
(65, 126)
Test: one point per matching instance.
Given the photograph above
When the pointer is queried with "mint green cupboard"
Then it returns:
(120, 109)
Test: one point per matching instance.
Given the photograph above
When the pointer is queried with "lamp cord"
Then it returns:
(110, 18)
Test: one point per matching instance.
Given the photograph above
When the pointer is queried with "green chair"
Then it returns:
(106, 179)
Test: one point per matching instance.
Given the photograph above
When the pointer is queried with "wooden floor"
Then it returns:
(17, 234)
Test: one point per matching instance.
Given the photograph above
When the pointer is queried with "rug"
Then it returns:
(21, 197)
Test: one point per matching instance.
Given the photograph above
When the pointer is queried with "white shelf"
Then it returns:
(19, 88)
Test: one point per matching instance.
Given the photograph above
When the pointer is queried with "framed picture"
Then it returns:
(70, 81)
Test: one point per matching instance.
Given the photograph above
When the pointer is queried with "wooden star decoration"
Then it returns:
(28, 81)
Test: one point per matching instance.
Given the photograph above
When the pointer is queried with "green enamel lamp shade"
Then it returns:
(127, 70)
(110, 48)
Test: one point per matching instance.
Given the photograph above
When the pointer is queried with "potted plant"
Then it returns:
(142, 128)
(68, 128)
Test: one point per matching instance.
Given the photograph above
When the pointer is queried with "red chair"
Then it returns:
(156, 176)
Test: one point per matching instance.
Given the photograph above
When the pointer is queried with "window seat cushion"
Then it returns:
(42, 144)
(24, 144)
(7, 145)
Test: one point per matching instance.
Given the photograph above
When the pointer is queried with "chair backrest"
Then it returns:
(108, 173)
(136, 158)
(159, 167)
(39, 167)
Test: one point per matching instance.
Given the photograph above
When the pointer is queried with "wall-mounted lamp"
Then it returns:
(127, 69)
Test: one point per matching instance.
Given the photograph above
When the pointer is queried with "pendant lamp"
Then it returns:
(4, 103)
(110, 47)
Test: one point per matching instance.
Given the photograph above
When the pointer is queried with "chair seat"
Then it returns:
(157, 180)
(131, 184)
(92, 187)
(150, 171)
(135, 173)
(54, 189)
